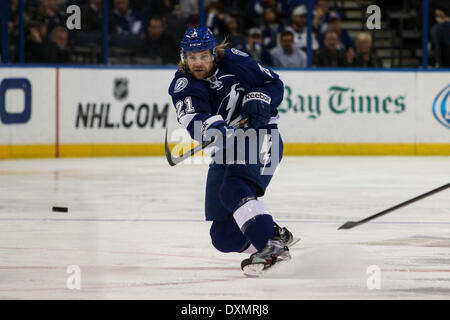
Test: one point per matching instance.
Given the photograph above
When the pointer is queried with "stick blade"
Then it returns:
(168, 153)
(348, 225)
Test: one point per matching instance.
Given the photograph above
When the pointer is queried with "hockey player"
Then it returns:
(214, 88)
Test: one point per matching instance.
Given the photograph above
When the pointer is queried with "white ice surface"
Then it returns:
(135, 228)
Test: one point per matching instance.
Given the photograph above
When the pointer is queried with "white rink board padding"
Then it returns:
(372, 113)
(114, 110)
(125, 111)
(27, 112)
(433, 109)
(322, 112)
(348, 107)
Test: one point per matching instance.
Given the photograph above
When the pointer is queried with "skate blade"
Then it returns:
(294, 242)
(253, 270)
(257, 270)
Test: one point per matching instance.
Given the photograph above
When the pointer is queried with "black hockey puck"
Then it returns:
(60, 209)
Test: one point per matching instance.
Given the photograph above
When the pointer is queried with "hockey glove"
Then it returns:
(256, 107)
(222, 133)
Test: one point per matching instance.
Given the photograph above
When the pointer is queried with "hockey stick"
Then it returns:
(173, 161)
(351, 224)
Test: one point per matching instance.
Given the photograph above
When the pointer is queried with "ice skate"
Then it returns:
(286, 236)
(273, 253)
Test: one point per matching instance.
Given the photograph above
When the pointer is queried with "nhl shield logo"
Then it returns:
(120, 88)
(441, 107)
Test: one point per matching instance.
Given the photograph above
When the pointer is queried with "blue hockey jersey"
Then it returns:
(220, 95)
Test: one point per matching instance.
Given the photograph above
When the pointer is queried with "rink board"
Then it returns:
(83, 112)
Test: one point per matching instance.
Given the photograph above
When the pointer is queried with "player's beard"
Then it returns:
(199, 74)
(203, 73)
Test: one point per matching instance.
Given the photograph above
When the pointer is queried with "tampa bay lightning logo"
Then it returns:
(180, 85)
(441, 107)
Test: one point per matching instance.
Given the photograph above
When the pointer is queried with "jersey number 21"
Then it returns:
(179, 107)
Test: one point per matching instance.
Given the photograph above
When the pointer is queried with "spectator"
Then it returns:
(37, 34)
(215, 20)
(13, 30)
(57, 48)
(256, 8)
(255, 48)
(440, 37)
(321, 16)
(364, 56)
(299, 20)
(176, 23)
(159, 45)
(91, 17)
(48, 50)
(190, 7)
(330, 55)
(334, 24)
(235, 38)
(51, 14)
(271, 28)
(149, 8)
(193, 21)
(13, 22)
(292, 4)
(127, 20)
(31, 10)
(286, 54)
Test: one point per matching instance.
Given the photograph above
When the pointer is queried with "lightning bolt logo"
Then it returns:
(265, 149)
(233, 97)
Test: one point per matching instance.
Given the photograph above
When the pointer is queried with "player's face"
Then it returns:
(200, 63)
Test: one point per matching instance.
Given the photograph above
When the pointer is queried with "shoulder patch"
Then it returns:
(265, 70)
(239, 52)
(180, 85)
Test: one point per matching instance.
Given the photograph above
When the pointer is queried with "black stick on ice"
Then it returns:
(351, 224)
(176, 160)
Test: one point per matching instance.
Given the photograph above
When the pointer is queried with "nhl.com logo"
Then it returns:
(441, 107)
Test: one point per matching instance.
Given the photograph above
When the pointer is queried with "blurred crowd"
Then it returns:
(273, 32)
